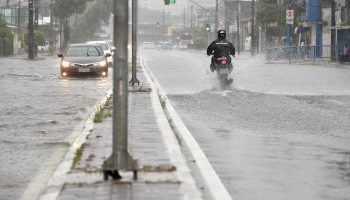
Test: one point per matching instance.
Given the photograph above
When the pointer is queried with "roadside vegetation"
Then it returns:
(6, 39)
(103, 111)
(89, 22)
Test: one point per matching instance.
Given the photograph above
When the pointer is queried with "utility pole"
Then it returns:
(30, 30)
(36, 24)
(18, 23)
(120, 158)
(253, 29)
(134, 80)
(227, 18)
(192, 18)
(216, 16)
(238, 27)
(184, 20)
(333, 31)
(51, 49)
(163, 27)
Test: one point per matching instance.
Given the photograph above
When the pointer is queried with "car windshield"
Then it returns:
(83, 51)
(104, 46)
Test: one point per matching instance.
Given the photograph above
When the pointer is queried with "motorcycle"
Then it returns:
(223, 67)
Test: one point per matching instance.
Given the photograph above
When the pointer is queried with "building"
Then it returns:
(15, 14)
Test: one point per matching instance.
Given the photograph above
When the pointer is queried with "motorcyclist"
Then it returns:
(221, 47)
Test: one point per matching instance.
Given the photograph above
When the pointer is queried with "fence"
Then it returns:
(301, 54)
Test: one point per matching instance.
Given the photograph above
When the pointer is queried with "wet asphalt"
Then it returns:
(39, 111)
(280, 132)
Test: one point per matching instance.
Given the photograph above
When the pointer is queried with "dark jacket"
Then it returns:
(221, 47)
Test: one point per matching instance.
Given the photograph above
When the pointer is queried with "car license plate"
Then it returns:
(84, 70)
(223, 71)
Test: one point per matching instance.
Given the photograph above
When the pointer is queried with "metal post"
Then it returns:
(289, 29)
(253, 29)
(217, 16)
(134, 80)
(120, 158)
(289, 37)
(30, 30)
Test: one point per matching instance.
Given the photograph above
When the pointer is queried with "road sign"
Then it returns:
(289, 16)
(167, 2)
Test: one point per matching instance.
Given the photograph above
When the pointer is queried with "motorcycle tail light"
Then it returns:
(223, 62)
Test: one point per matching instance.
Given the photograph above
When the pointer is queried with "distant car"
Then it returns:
(80, 59)
(106, 49)
(148, 45)
(44, 48)
(167, 45)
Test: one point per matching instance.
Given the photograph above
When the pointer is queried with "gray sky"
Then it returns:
(178, 7)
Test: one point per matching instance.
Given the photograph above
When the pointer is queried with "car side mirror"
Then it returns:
(108, 54)
(60, 55)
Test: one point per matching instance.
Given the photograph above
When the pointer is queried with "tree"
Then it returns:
(39, 38)
(6, 39)
(63, 10)
(91, 20)
(272, 17)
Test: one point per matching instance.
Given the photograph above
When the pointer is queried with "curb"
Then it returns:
(215, 187)
(188, 185)
(77, 138)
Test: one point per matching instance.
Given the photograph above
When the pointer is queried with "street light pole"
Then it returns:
(120, 158)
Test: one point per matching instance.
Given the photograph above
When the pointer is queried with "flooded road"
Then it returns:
(281, 132)
(39, 112)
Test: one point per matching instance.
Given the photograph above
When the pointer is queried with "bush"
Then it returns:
(6, 40)
(39, 38)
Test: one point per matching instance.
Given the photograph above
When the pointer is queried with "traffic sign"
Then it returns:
(289, 16)
(167, 2)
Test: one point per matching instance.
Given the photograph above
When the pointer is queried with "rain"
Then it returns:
(278, 130)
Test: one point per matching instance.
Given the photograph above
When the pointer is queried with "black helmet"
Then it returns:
(221, 34)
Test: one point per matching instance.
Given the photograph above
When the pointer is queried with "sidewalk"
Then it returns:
(162, 174)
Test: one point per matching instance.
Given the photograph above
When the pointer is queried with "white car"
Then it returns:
(106, 49)
(148, 45)
(44, 48)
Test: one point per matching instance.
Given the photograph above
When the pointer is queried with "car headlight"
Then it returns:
(101, 64)
(65, 63)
